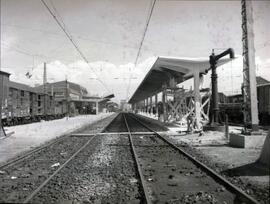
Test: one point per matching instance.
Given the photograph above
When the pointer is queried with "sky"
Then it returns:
(109, 32)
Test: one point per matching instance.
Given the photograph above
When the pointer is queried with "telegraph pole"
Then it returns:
(67, 97)
(45, 88)
(249, 73)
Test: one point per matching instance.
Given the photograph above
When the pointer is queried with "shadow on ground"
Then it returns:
(252, 169)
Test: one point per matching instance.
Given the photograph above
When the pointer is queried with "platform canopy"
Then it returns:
(166, 68)
(109, 96)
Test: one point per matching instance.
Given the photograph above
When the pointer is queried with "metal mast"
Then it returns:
(249, 75)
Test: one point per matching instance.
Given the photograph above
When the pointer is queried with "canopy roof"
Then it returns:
(165, 68)
(109, 96)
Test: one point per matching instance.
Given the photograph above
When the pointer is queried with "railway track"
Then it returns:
(169, 174)
(102, 172)
(126, 162)
(38, 189)
(21, 178)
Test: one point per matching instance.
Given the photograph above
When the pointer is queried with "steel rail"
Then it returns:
(144, 188)
(28, 198)
(44, 146)
(220, 179)
(59, 169)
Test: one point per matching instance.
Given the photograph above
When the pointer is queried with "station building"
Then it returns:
(73, 98)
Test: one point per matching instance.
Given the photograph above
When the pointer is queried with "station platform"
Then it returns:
(29, 136)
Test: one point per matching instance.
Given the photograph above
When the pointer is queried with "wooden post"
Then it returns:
(197, 99)
(156, 104)
(45, 88)
(67, 98)
(96, 107)
(164, 105)
(151, 105)
(135, 107)
(147, 105)
(226, 127)
(144, 108)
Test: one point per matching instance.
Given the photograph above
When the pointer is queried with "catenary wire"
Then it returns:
(141, 43)
(73, 42)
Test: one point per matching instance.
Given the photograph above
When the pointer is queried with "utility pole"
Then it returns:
(45, 87)
(67, 97)
(249, 73)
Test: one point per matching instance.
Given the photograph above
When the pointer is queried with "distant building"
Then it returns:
(64, 90)
(124, 106)
(71, 97)
(112, 106)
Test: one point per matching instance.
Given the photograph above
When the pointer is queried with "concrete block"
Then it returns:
(246, 141)
(220, 128)
(265, 153)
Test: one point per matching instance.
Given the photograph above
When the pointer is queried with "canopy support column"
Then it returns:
(147, 105)
(151, 105)
(197, 99)
(164, 104)
(156, 104)
(97, 108)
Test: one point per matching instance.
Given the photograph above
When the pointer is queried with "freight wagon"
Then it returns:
(23, 104)
(233, 106)
(263, 92)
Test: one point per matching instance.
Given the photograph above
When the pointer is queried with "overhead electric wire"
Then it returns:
(141, 43)
(17, 50)
(145, 30)
(72, 41)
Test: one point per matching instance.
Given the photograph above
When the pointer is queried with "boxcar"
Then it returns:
(17, 108)
(263, 92)
(23, 104)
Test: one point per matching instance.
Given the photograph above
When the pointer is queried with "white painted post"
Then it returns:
(197, 99)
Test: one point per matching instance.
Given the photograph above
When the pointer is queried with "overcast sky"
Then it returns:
(109, 32)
